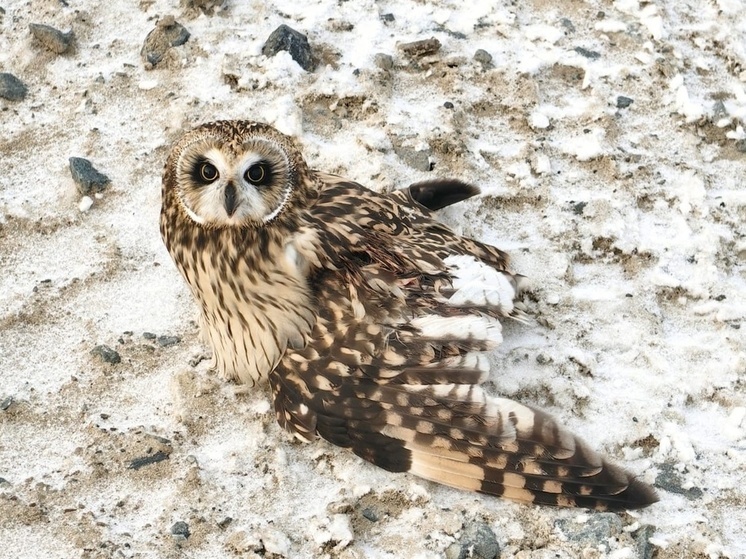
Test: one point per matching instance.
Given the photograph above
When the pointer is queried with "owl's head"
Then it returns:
(235, 174)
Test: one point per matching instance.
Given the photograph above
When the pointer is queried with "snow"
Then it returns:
(630, 224)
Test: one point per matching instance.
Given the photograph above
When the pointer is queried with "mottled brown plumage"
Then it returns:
(368, 318)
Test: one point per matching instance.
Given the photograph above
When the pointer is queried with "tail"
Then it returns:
(469, 440)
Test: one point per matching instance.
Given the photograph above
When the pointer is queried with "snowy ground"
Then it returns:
(630, 219)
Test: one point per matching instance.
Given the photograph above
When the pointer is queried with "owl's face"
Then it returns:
(234, 174)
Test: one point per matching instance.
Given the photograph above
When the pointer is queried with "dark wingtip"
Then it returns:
(638, 495)
(439, 193)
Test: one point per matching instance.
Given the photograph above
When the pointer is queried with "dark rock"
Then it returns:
(4, 481)
(168, 33)
(107, 354)
(149, 336)
(670, 480)
(53, 39)
(448, 105)
(483, 57)
(11, 88)
(288, 39)
(578, 208)
(223, 524)
(181, 529)
(383, 61)
(6, 403)
(645, 549)
(86, 177)
(370, 514)
(597, 530)
(143, 461)
(166, 341)
(418, 49)
(387, 18)
(591, 54)
(623, 102)
(477, 541)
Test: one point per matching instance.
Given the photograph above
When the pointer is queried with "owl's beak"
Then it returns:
(230, 199)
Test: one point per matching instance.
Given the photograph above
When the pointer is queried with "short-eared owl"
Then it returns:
(368, 318)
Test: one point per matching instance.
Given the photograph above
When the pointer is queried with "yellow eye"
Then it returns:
(208, 172)
(256, 174)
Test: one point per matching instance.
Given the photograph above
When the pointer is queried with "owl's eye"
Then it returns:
(257, 173)
(208, 172)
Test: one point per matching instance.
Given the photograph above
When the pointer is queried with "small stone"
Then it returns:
(6, 403)
(483, 57)
(223, 524)
(288, 39)
(590, 54)
(448, 105)
(387, 18)
(623, 102)
(4, 481)
(53, 39)
(85, 204)
(383, 61)
(107, 354)
(418, 49)
(370, 514)
(180, 529)
(543, 359)
(86, 177)
(567, 24)
(166, 341)
(11, 88)
(168, 33)
(479, 541)
(578, 208)
(149, 335)
(141, 462)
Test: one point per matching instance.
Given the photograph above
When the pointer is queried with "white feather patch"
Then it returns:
(476, 283)
(467, 327)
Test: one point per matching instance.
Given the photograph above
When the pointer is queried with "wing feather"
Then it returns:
(393, 367)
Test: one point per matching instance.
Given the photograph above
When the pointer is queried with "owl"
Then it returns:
(368, 318)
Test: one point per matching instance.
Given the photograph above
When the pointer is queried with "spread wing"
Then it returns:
(406, 309)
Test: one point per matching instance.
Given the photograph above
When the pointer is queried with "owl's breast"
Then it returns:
(255, 302)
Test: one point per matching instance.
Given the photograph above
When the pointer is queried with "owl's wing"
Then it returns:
(394, 367)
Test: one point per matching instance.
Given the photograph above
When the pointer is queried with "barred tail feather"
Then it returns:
(508, 450)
